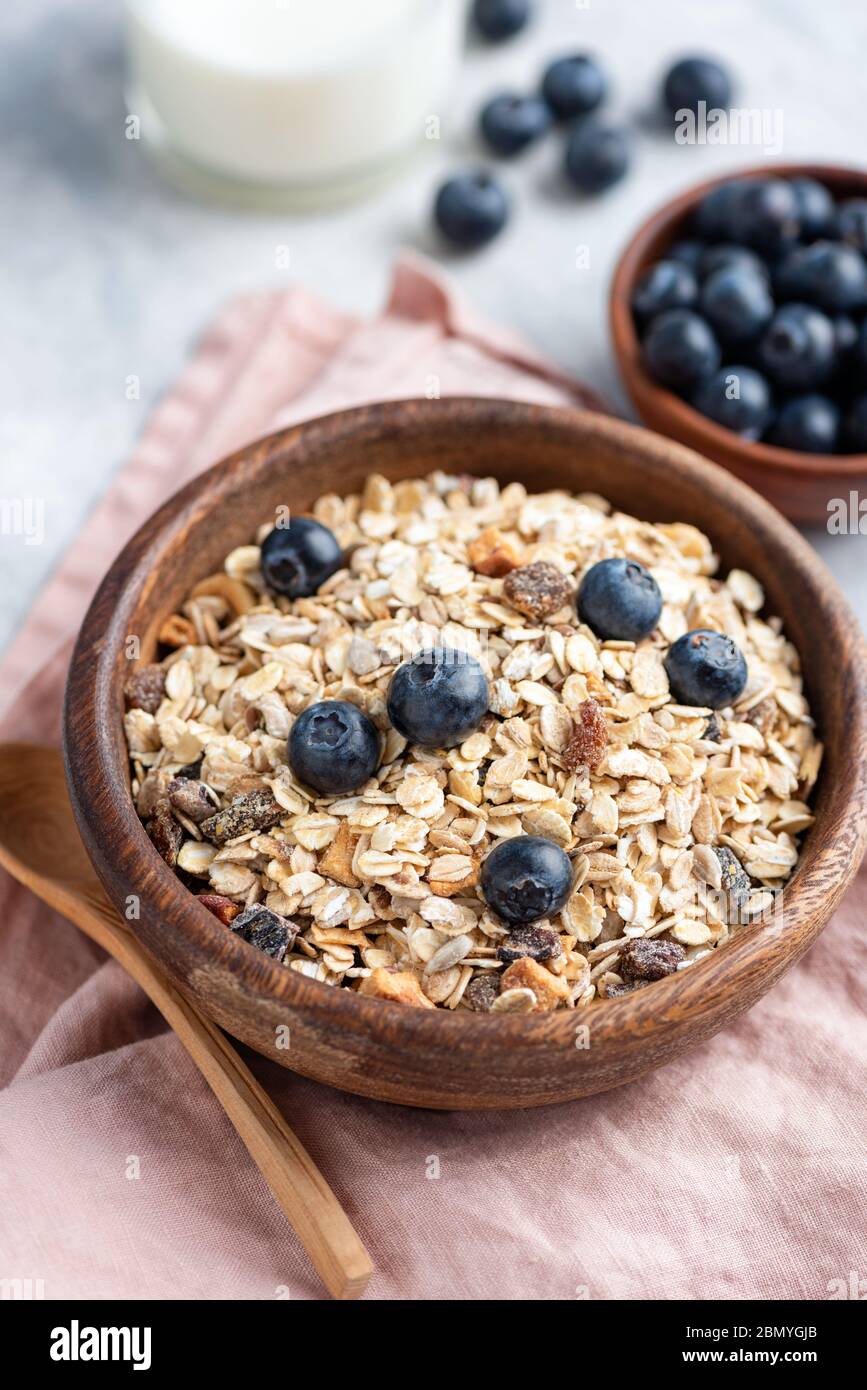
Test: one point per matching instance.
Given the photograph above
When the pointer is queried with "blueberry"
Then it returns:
(738, 398)
(510, 123)
(471, 209)
(500, 19)
(666, 285)
(714, 215)
(815, 207)
(525, 878)
(798, 347)
(737, 303)
(826, 273)
(438, 698)
(850, 223)
(680, 349)
(765, 215)
(333, 747)
(298, 558)
(807, 423)
(597, 155)
(573, 86)
(688, 252)
(619, 599)
(845, 336)
(855, 427)
(705, 668)
(727, 255)
(692, 80)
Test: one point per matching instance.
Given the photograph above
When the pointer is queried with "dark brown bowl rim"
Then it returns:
(99, 786)
(704, 433)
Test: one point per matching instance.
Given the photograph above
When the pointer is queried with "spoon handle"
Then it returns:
(299, 1188)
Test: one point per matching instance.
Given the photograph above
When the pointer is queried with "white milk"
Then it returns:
(290, 92)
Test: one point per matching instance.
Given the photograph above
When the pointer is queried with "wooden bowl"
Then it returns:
(800, 485)
(385, 1050)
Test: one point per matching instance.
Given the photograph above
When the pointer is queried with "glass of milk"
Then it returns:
(288, 102)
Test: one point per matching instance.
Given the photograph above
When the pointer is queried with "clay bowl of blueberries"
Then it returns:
(435, 1057)
(739, 318)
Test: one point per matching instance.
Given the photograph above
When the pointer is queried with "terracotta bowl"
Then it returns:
(389, 1051)
(800, 485)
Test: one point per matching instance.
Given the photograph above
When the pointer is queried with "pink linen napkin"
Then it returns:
(736, 1172)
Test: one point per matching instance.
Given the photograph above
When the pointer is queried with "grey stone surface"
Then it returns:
(107, 272)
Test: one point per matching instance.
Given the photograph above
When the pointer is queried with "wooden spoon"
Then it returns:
(40, 846)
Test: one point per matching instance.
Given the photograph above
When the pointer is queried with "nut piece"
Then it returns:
(144, 688)
(223, 908)
(264, 929)
(336, 862)
(401, 986)
(589, 737)
(549, 989)
(492, 553)
(539, 943)
(165, 832)
(481, 992)
(736, 883)
(650, 960)
(191, 798)
(537, 590)
(254, 811)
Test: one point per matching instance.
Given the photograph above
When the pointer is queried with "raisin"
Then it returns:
(264, 929)
(736, 883)
(164, 831)
(712, 731)
(650, 960)
(589, 737)
(223, 908)
(481, 992)
(539, 943)
(192, 799)
(144, 688)
(537, 590)
(254, 811)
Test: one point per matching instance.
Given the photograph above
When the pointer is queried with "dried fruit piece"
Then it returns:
(537, 590)
(616, 991)
(712, 731)
(401, 986)
(736, 883)
(266, 930)
(539, 943)
(481, 992)
(492, 553)
(650, 960)
(164, 831)
(191, 798)
(176, 632)
(526, 973)
(589, 737)
(256, 810)
(222, 908)
(145, 687)
(336, 862)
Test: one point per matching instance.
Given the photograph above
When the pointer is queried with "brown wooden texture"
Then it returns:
(40, 846)
(418, 1056)
(800, 485)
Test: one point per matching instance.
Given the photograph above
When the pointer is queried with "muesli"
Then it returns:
(461, 746)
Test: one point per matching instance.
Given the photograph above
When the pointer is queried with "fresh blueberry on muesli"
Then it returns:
(298, 558)
(438, 698)
(526, 878)
(619, 599)
(706, 668)
(333, 747)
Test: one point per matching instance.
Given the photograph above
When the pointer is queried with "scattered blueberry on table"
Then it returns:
(526, 878)
(333, 747)
(574, 86)
(598, 154)
(509, 123)
(471, 209)
(438, 698)
(774, 346)
(691, 80)
(299, 557)
(706, 668)
(619, 600)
